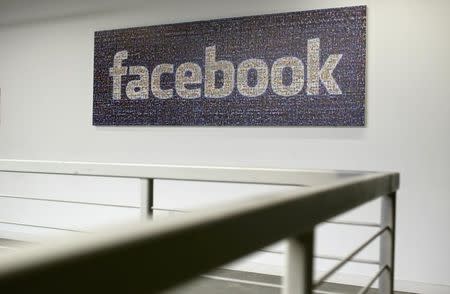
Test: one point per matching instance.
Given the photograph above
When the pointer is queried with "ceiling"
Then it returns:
(19, 12)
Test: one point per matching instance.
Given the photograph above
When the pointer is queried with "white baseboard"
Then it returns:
(339, 278)
(422, 288)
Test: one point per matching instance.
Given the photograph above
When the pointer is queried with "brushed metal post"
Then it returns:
(387, 244)
(298, 278)
(146, 199)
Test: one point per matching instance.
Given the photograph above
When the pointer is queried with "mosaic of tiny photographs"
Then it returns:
(302, 68)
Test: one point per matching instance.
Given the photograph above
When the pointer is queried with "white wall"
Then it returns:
(46, 66)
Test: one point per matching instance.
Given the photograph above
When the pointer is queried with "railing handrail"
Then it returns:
(122, 262)
(275, 176)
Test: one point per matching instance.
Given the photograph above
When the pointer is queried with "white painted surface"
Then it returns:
(185, 196)
(46, 57)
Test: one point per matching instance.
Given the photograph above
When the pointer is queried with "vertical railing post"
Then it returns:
(387, 243)
(298, 278)
(146, 199)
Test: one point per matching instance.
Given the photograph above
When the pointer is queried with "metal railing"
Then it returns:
(152, 256)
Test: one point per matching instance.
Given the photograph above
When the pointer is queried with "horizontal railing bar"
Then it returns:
(353, 223)
(257, 283)
(272, 176)
(13, 243)
(39, 226)
(241, 281)
(170, 210)
(367, 287)
(348, 257)
(8, 248)
(355, 260)
(67, 201)
(330, 257)
(181, 248)
(350, 223)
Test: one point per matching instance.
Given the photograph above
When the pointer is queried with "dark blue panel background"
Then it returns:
(268, 37)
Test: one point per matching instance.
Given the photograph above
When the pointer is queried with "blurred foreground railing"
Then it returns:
(153, 256)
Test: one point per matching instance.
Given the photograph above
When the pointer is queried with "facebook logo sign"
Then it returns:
(290, 69)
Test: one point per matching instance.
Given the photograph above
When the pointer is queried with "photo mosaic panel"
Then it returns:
(289, 69)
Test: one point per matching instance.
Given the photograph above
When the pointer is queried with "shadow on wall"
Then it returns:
(313, 133)
(29, 12)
